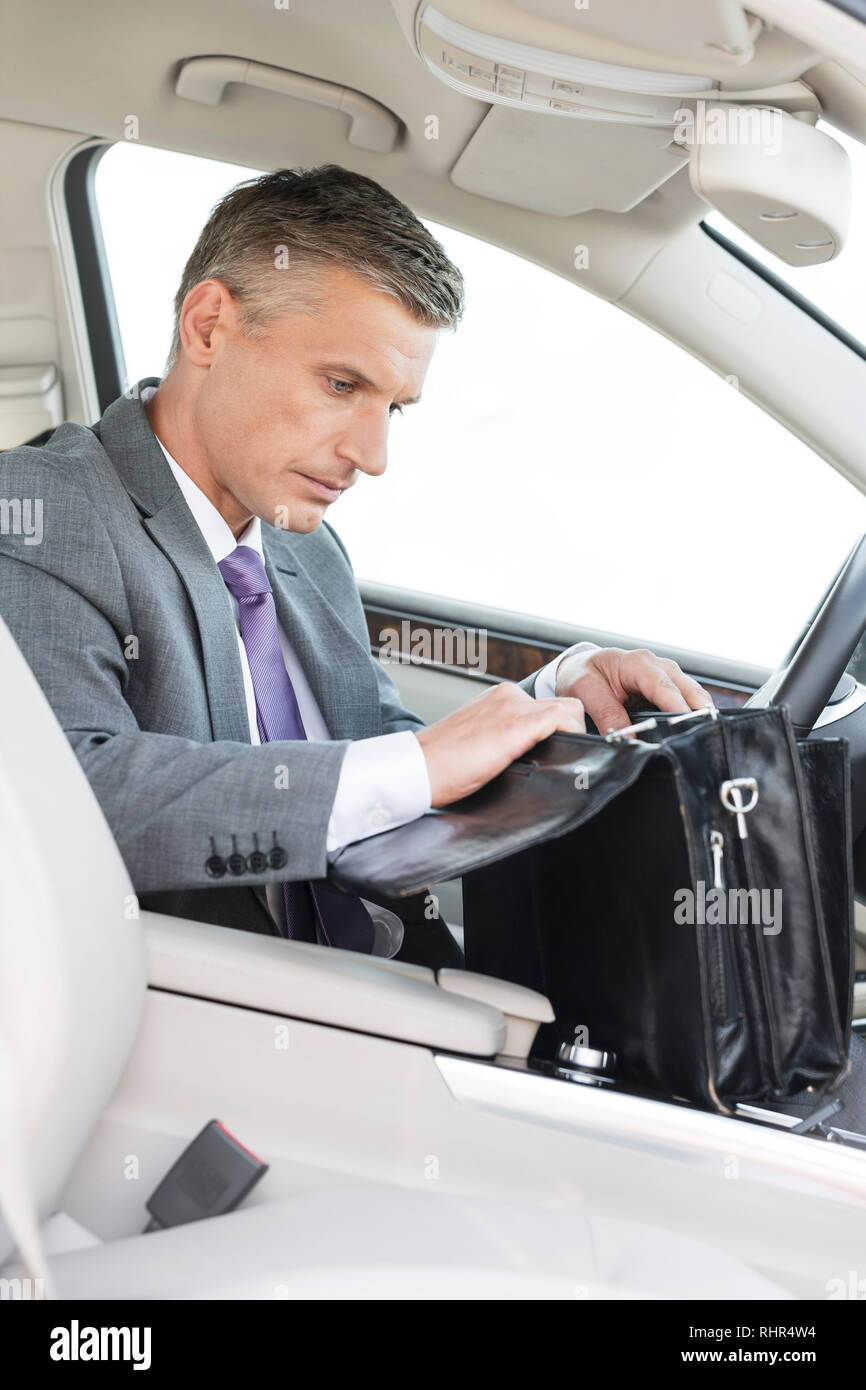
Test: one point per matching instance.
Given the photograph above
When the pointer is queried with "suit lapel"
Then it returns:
(133, 449)
(178, 536)
(335, 662)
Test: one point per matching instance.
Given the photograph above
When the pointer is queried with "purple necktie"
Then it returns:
(344, 920)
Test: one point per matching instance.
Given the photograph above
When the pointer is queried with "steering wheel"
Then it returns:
(811, 674)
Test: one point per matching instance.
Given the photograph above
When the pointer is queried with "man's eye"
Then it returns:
(395, 406)
(342, 388)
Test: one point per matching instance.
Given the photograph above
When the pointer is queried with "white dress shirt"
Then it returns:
(383, 781)
(545, 681)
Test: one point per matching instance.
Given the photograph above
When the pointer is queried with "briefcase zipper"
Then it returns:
(726, 952)
(717, 849)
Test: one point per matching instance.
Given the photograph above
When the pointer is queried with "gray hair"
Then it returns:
(306, 220)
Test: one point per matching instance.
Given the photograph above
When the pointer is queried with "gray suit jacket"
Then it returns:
(121, 613)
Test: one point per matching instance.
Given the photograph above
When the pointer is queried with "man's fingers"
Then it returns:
(601, 704)
(564, 713)
(646, 675)
(693, 693)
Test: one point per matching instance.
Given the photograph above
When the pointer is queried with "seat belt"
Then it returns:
(16, 1199)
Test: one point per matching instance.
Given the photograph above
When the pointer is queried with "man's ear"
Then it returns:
(208, 306)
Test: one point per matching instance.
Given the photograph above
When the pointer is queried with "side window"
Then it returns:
(152, 204)
(565, 461)
(568, 461)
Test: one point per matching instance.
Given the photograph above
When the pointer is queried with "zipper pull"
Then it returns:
(717, 849)
(731, 794)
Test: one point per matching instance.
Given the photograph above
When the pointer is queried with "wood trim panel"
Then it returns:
(482, 654)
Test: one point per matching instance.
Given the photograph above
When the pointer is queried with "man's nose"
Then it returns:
(365, 443)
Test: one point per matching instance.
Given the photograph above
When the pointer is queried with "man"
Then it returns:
(194, 620)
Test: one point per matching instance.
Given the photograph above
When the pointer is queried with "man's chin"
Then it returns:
(300, 517)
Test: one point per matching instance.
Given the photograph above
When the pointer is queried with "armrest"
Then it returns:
(343, 989)
(524, 1009)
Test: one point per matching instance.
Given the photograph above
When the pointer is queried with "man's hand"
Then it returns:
(603, 679)
(466, 749)
(469, 747)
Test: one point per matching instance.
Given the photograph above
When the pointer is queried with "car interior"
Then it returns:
(413, 1145)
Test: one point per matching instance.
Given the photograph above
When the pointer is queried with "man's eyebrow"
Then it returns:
(346, 370)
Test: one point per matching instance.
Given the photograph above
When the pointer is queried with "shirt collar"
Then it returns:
(213, 526)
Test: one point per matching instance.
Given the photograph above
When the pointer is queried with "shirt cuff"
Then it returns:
(545, 681)
(383, 783)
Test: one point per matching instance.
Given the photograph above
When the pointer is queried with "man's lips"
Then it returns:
(328, 491)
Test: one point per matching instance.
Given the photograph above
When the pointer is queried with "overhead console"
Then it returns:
(536, 79)
(596, 106)
(687, 30)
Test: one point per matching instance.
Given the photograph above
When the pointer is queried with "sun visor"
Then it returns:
(563, 167)
(777, 178)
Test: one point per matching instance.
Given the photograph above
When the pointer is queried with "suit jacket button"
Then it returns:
(215, 866)
(236, 863)
(257, 862)
(277, 857)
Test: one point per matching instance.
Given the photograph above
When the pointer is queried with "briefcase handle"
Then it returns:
(613, 734)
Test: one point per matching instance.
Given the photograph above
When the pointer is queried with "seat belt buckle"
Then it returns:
(213, 1175)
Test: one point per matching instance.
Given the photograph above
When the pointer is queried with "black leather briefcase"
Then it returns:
(683, 896)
